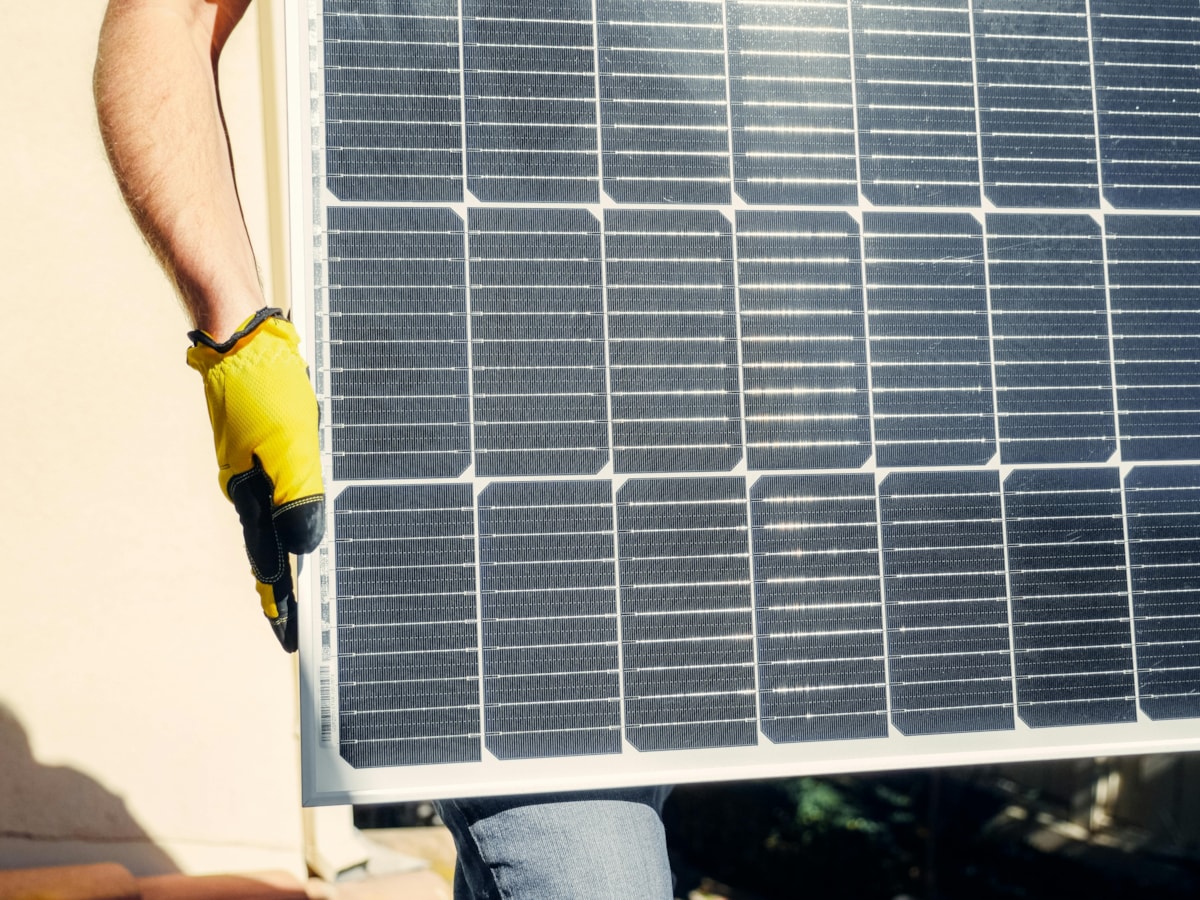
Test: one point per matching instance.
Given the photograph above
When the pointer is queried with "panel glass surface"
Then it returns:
(720, 388)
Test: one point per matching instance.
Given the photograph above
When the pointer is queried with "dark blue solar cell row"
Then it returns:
(397, 343)
(791, 97)
(949, 648)
(1070, 600)
(663, 106)
(551, 663)
(804, 356)
(393, 100)
(1050, 339)
(407, 632)
(834, 642)
(399, 353)
(1148, 99)
(1163, 509)
(1154, 271)
(686, 615)
(930, 353)
(537, 342)
(784, 86)
(530, 85)
(1037, 119)
(821, 669)
(673, 350)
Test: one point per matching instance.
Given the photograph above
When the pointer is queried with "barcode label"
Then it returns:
(326, 706)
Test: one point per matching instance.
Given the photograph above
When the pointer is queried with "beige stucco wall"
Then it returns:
(146, 713)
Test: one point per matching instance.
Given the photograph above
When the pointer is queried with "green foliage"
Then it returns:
(822, 806)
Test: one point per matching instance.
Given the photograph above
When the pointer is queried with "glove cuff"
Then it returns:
(199, 337)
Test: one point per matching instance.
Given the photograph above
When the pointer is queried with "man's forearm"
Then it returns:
(160, 116)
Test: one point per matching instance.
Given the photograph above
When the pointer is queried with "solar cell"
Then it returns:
(537, 342)
(792, 102)
(672, 331)
(1153, 270)
(1071, 620)
(930, 356)
(664, 106)
(1163, 505)
(686, 617)
(397, 343)
(821, 660)
(1037, 119)
(407, 640)
(949, 650)
(1050, 339)
(548, 582)
(530, 86)
(803, 340)
(1148, 100)
(915, 95)
(393, 100)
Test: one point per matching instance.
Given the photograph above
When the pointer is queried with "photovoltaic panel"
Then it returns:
(732, 388)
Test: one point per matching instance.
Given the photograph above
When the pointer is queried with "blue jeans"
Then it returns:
(598, 845)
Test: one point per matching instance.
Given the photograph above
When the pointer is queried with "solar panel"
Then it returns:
(743, 388)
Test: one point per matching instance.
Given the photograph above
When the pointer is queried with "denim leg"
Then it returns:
(598, 845)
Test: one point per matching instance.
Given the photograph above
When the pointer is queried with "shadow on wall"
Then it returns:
(56, 815)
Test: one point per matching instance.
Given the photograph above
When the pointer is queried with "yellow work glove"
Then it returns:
(264, 419)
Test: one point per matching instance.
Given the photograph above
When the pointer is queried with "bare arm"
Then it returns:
(159, 108)
(160, 114)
